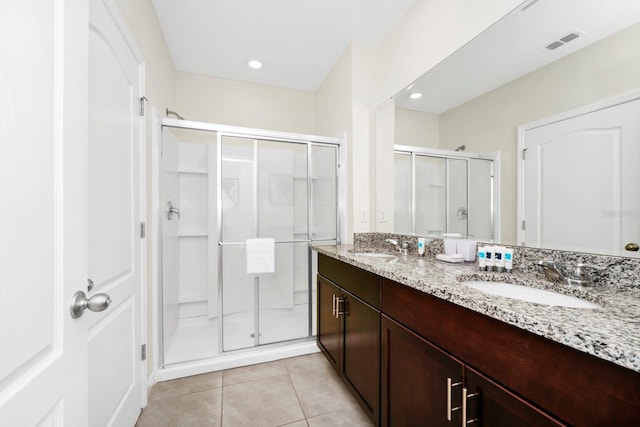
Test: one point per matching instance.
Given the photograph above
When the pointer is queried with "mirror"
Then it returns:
(545, 58)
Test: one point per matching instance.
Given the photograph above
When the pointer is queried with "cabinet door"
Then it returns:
(328, 323)
(414, 380)
(361, 363)
(492, 405)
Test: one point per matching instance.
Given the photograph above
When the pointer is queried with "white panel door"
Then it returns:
(115, 244)
(582, 182)
(43, 234)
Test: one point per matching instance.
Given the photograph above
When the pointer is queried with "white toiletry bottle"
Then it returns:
(482, 261)
(421, 244)
(508, 259)
(488, 253)
(498, 254)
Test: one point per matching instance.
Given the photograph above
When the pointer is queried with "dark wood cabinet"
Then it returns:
(398, 348)
(328, 322)
(492, 405)
(349, 329)
(414, 380)
(570, 386)
(424, 386)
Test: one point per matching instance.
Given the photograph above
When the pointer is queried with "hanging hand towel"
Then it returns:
(260, 256)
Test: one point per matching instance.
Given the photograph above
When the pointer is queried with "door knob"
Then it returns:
(633, 247)
(80, 302)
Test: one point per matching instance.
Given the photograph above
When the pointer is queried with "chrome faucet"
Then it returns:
(401, 247)
(578, 276)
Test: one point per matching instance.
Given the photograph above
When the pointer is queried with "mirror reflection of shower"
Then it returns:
(444, 191)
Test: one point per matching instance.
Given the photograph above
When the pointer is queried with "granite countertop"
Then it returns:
(611, 332)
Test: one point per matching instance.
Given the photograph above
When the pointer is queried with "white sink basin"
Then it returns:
(373, 255)
(526, 293)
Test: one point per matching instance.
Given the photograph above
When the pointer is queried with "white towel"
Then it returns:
(260, 256)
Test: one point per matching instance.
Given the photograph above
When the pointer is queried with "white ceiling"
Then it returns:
(299, 41)
(514, 46)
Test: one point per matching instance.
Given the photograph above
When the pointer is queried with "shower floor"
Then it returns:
(196, 338)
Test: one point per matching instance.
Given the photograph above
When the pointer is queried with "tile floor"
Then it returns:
(296, 392)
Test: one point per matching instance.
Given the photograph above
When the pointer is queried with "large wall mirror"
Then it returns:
(545, 58)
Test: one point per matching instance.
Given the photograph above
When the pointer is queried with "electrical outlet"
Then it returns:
(383, 215)
(364, 215)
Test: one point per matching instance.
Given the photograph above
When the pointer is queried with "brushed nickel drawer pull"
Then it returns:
(450, 385)
(465, 396)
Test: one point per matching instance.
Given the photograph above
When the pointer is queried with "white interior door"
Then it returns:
(43, 174)
(581, 182)
(115, 244)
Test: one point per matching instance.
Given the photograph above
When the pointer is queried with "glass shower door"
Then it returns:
(264, 190)
(430, 196)
(283, 215)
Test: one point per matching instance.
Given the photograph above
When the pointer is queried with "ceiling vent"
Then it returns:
(564, 40)
(528, 5)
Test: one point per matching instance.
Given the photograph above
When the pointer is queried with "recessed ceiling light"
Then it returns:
(255, 64)
(415, 95)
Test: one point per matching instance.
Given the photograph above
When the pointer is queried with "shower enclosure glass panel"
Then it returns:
(238, 224)
(430, 195)
(271, 201)
(219, 188)
(189, 245)
(457, 209)
(403, 193)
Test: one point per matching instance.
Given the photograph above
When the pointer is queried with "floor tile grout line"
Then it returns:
(295, 391)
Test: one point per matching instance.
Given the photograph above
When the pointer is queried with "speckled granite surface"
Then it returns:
(611, 332)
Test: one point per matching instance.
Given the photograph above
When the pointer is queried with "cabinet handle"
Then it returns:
(333, 310)
(465, 396)
(450, 385)
(344, 303)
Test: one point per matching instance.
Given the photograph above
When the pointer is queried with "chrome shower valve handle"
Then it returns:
(172, 210)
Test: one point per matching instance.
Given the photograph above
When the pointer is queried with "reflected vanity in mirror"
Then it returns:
(544, 59)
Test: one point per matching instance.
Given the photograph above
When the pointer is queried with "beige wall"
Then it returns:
(488, 123)
(334, 106)
(417, 128)
(141, 19)
(232, 102)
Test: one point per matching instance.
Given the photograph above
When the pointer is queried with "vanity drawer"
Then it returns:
(361, 283)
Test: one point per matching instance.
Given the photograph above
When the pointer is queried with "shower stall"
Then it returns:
(444, 191)
(220, 186)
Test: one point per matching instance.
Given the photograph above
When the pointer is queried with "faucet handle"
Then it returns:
(581, 273)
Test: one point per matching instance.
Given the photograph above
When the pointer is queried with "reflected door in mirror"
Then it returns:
(594, 206)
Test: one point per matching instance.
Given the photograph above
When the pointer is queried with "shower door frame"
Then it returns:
(249, 133)
(415, 151)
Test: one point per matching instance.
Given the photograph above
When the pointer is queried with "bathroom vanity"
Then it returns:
(416, 347)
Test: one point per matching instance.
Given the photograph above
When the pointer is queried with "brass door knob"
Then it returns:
(633, 247)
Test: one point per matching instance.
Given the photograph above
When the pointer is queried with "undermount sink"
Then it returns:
(373, 255)
(529, 294)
